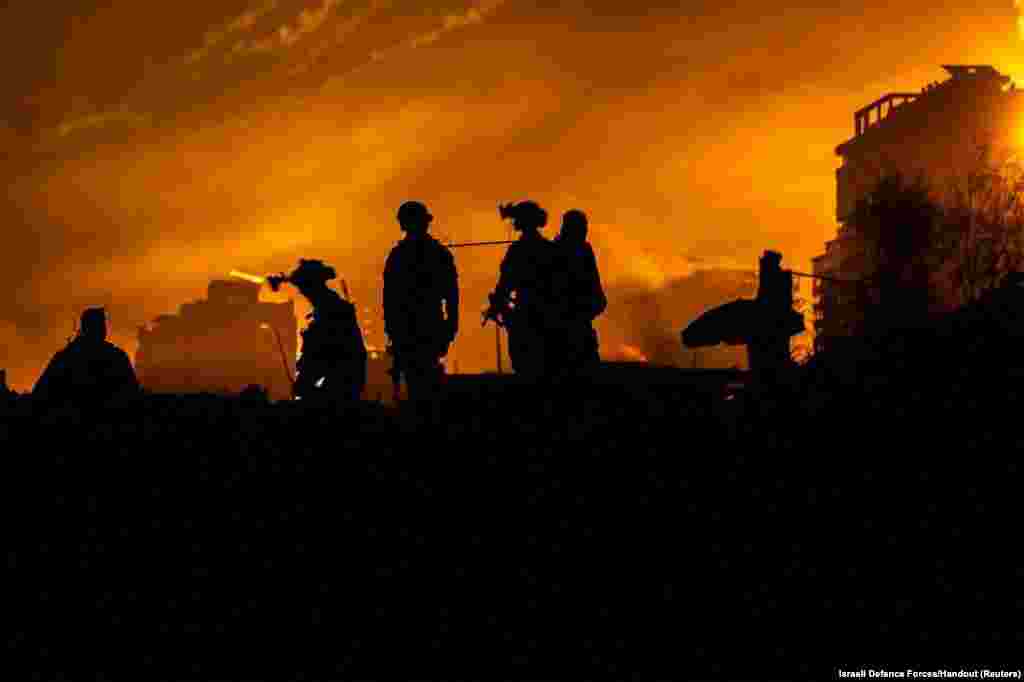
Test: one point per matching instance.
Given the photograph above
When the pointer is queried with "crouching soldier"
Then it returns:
(333, 362)
(89, 370)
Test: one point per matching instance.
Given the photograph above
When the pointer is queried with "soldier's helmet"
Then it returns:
(574, 226)
(771, 258)
(311, 272)
(93, 322)
(413, 213)
(525, 214)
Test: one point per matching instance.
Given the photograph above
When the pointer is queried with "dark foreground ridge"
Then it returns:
(639, 526)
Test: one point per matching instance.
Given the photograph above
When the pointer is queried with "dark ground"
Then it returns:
(639, 528)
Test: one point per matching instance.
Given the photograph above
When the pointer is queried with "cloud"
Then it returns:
(308, 21)
(451, 22)
(243, 22)
(474, 15)
(646, 320)
(311, 208)
(342, 31)
(101, 120)
(252, 32)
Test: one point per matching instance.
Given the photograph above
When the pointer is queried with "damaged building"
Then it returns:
(934, 135)
(220, 344)
(232, 340)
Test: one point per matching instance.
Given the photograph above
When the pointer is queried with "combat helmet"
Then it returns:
(93, 323)
(413, 213)
(574, 225)
(527, 213)
(311, 272)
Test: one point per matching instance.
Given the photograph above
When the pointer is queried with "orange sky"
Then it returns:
(151, 148)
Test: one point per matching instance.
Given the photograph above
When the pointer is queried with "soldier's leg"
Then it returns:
(415, 379)
(360, 375)
(583, 347)
(423, 380)
(425, 376)
(527, 352)
(516, 351)
(556, 355)
(348, 382)
(754, 355)
(594, 350)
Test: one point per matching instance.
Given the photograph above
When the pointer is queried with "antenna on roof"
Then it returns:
(977, 71)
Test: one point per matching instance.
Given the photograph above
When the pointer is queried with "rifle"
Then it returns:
(395, 372)
(498, 311)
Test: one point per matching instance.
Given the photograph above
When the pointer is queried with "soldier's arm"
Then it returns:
(303, 383)
(47, 380)
(600, 300)
(451, 297)
(503, 290)
(122, 380)
(129, 379)
(338, 337)
(387, 294)
(309, 366)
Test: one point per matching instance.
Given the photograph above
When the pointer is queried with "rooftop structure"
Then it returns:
(933, 134)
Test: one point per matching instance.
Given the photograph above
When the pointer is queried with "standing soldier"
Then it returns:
(7, 396)
(421, 303)
(89, 369)
(530, 270)
(333, 362)
(768, 350)
(586, 299)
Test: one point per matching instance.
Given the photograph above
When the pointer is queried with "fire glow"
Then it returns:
(255, 279)
(631, 353)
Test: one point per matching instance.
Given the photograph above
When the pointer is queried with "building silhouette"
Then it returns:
(220, 344)
(933, 135)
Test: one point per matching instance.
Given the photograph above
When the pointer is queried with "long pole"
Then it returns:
(452, 357)
(827, 279)
(284, 359)
(458, 246)
(497, 346)
(497, 328)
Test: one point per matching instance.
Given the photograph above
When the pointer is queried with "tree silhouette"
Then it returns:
(899, 224)
(982, 236)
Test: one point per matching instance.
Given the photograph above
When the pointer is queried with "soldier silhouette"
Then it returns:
(535, 317)
(586, 299)
(333, 362)
(90, 369)
(768, 349)
(419, 278)
(6, 394)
